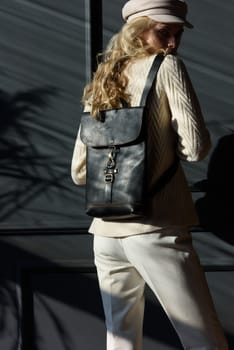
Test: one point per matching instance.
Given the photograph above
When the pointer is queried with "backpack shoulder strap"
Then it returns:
(151, 78)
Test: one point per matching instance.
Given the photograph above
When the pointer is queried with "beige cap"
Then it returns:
(164, 11)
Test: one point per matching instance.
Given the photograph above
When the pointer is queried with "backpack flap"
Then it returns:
(117, 127)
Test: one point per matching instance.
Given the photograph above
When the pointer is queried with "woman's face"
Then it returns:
(164, 36)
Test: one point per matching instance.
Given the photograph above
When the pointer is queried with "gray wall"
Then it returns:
(49, 296)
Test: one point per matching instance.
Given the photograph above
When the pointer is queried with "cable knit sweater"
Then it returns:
(175, 126)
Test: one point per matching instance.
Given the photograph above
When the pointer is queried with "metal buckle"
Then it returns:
(110, 169)
(109, 178)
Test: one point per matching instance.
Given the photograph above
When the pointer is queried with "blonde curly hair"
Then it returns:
(108, 87)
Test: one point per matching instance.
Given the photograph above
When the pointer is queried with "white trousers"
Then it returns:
(167, 262)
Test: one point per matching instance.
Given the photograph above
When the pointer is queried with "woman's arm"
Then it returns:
(187, 119)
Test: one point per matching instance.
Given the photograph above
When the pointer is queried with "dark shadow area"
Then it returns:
(216, 208)
(24, 169)
(74, 287)
(156, 323)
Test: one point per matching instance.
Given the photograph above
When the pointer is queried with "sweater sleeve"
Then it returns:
(187, 119)
(78, 165)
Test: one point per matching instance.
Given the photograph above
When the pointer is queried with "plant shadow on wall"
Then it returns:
(23, 169)
(216, 208)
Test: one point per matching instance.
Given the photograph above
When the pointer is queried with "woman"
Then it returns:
(157, 249)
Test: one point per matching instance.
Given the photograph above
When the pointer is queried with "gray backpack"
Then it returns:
(116, 185)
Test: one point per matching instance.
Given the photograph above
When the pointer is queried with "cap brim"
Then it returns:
(162, 18)
(170, 19)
